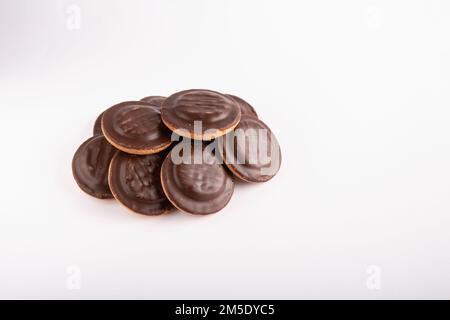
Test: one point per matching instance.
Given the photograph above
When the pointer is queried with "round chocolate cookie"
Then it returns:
(98, 125)
(201, 188)
(217, 112)
(136, 183)
(90, 166)
(251, 151)
(135, 127)
(246, 108)
(154, 100)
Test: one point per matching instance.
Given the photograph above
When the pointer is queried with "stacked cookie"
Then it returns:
(182, 152)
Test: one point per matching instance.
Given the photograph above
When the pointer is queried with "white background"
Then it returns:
(356, 91)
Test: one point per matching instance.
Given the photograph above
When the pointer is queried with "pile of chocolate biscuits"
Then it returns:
(134, 154)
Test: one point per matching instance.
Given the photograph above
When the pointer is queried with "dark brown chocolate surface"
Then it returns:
(136, 127)
(251, 164)
(218, 112)
(136, 183)
(90, 166)
(246, 108)
(154, 100)
(197, 188)
(98, 125)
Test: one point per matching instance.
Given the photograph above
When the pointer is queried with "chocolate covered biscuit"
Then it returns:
(217, 113)
(135, 127)
(196, 188)
(251, 151)
(90, 166)
(136, 183)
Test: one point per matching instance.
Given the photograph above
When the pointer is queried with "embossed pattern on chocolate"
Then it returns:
(90, 166)
(218, 113)
(135, 127)
(246, 108)
(197, 188)
(251, 151)
(136, 183)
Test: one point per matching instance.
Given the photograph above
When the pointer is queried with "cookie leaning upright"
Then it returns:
(135, 127)
(251, 151)
(98, 125)
(90, 166)
(218, 113)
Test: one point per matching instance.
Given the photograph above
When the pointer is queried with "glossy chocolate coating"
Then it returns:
(246, 108)
(98, 125)
(197, 188)
(135, 127)
(154, 100)
(90, 166)
(219, 113)
(136, 183)
(236, 152)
